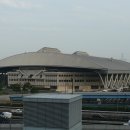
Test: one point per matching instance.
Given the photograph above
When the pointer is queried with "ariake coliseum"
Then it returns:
(51, 69)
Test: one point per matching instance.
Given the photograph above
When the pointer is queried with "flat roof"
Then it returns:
(51, 97)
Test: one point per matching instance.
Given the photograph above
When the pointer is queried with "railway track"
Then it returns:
(86, 122)
(108, 112)
(105, 115)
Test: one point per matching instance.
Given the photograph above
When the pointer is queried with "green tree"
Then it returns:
(1, 86)
(27, 87)
(16, 87)
(34, 90)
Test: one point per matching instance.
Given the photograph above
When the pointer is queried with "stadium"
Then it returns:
(50, 68)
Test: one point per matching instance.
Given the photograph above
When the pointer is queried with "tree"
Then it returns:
(16, 87)
(34, 90)
(1, 86)
(27, 87)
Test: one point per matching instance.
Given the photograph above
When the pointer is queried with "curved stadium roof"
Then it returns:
(53, 57)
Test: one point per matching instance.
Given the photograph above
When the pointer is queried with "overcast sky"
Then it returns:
(98, 27)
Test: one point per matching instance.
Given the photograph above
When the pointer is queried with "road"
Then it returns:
(16, 118)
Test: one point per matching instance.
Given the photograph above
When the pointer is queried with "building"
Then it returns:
(53, 112)
(50, 68)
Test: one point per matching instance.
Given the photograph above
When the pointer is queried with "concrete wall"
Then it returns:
(11, 127)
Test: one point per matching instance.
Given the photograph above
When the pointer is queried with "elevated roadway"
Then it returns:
(101, 95)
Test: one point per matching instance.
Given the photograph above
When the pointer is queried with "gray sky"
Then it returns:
(99, 27)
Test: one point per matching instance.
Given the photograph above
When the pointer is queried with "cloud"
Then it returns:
(17, 3)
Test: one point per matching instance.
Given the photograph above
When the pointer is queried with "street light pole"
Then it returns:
(72, 86)
(21, 87)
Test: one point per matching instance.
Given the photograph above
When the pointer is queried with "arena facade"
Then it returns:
(50, 68)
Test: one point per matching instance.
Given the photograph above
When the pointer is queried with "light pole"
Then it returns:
(21, 87)
(10, 123)
(9, 118)
(72, 85)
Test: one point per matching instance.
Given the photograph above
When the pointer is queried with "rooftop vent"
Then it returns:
(81, 53)
(49, 50)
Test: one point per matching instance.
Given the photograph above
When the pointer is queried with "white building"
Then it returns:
(49, 68)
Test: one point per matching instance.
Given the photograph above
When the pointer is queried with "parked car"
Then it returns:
(6, 115)
(17, 111)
